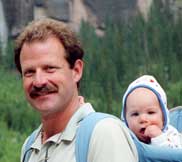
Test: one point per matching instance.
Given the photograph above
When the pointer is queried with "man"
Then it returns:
(49, 58)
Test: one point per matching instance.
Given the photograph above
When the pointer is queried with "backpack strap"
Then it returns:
(175, 116)
(84, 133)
(146, 153)
(27, 148)
(83, 136)
(150, 153)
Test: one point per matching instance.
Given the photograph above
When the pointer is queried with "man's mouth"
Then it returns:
(38, 94)
(42, 91)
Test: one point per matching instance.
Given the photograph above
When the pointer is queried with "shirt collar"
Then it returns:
(70, 131)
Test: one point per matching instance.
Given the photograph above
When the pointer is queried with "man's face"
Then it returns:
(49, 83)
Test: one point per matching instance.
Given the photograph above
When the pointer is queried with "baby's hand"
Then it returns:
(152, 131)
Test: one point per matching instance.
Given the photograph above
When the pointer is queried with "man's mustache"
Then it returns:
(43, 90)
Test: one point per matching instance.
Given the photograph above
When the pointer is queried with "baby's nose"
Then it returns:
(143, 118)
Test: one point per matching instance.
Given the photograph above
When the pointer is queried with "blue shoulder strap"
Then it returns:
(27, 149)
(82, 137)
(150, 153)
(146, 153)
(176, 117)
(84, 133)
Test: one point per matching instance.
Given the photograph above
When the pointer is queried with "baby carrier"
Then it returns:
(146, 153)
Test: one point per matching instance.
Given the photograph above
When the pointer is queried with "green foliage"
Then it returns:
(15, 111)
(129, 50)
(175, 94)
(10, 143)
(125, 52)
(7, 60)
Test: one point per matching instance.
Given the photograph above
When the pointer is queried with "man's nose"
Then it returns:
(39, 79)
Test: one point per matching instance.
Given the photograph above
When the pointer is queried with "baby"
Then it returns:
(145, 113)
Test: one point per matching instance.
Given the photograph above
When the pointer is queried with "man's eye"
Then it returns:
(28, 73)
(50, 69)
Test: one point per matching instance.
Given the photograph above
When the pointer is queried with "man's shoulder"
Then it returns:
(110, 133)
(111, 125)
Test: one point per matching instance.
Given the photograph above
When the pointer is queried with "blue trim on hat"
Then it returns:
(163, 107)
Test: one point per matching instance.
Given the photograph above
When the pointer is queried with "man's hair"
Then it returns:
(40, 30)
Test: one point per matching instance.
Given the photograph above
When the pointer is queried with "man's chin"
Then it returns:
(42, 107)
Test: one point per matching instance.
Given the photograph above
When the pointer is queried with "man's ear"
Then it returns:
(78, 70)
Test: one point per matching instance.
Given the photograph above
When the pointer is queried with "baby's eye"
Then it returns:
(151, 112)
(135, 114)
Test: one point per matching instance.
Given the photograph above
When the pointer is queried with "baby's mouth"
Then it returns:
(145, 138)
(142, 130)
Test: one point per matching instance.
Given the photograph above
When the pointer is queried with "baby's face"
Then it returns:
(142, 110)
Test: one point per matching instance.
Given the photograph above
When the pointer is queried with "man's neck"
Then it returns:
(57, 122)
